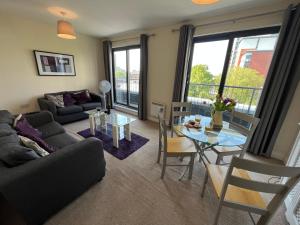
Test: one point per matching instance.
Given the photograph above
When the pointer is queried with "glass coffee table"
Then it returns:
(118, 121)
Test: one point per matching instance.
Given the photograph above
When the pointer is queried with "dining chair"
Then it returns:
(248, 128)
(174, 147)
(235, 188)
(178, 110)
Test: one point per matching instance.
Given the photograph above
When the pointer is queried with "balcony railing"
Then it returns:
(121, 92)
(202, 95)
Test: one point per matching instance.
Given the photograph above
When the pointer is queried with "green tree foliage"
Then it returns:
(237, 76)
(244, 77)
(200, 75)
(120, 73)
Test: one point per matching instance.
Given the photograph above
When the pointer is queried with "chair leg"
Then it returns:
(164, 167)
(204, 183)
(218, 214)
(158, 156)
(219, 158)
(191, 166)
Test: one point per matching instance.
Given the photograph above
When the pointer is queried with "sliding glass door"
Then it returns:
(126, 73)
(233, 65)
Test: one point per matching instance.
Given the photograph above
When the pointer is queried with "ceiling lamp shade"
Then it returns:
(204, 2)
(65, 30)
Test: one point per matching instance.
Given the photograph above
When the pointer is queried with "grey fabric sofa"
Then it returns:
(71, 113)
(41, 187)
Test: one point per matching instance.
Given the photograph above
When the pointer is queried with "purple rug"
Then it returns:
(126, 148)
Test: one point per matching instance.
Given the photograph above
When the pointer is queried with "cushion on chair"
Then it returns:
(50, 129)
(69, 110)
(90, 105)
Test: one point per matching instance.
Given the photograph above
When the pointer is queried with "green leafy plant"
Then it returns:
(221, 104)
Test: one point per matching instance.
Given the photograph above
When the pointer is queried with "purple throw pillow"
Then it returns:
(82, 97)
(25, 129)
(22, 125)
(39, 141)
(68, 99)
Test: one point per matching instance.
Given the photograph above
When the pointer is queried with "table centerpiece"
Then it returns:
(217, 108)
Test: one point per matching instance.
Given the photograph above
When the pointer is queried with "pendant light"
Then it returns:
(65, 29)
(204, 2)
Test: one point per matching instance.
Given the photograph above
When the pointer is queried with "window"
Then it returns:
(234, 65)
(126, 73)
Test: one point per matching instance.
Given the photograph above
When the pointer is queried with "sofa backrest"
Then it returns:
(12, 153)
(63, 92)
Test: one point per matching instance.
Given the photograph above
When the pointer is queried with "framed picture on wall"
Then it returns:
(54, 64)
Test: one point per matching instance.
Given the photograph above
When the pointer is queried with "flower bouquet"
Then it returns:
(217, 108)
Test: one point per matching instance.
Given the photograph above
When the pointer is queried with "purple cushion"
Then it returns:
(22, 125)
(82, 97)
(25, 129)
(68, 99)
(39, 141)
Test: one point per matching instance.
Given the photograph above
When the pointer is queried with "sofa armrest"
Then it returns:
(40, 118)
(47, 105)
(99, 98)
(40, 188)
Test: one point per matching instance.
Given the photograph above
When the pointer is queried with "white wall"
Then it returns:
(163, 52)
(20, 84)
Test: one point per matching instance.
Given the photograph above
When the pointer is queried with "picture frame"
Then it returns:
(54, 64)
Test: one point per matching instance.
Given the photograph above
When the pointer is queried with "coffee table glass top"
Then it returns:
(117, 119)
(226, 137)
(114, 118)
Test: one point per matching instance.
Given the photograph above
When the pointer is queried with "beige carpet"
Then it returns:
(132, 193)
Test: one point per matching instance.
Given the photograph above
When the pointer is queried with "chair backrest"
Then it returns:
(163, 139)
(280, 191)
(245, 124)
(180, 109)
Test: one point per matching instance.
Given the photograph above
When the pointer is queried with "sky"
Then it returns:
(134, 59)
(211, 54)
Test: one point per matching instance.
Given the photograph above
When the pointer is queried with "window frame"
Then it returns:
(123, 48)
(230, 36)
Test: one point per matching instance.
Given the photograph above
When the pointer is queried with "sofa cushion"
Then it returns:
(14, 154)
(58, 100)
(82, 96)
(69, 110)
(68, 99)
(50, 129)
(61, 140)
(27, 142)
(10, 139)
(22, 125)
(6, 117)
(6, 130)
(90, 105)
(40, 141)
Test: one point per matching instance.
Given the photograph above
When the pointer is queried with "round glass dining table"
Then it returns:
(226, 137)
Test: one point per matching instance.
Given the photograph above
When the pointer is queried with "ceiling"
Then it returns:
(103, 18)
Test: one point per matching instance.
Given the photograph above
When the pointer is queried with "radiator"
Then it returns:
(156, 108)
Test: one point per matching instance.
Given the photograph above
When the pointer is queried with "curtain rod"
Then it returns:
(132, 38)
(236, 19)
